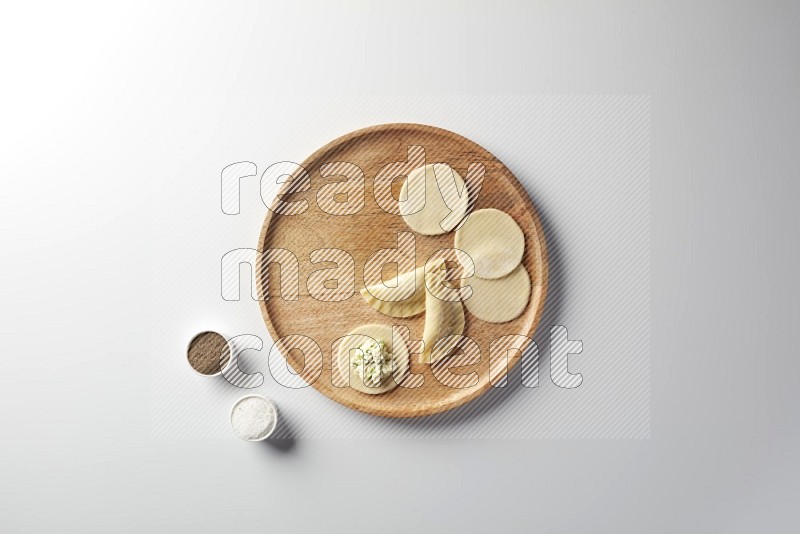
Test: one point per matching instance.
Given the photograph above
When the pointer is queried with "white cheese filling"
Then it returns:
(373, 363)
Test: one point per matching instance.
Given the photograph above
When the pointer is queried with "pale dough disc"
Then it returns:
(435, 217)
(494, 242)
(376, 332)
(383, 298)
(442, 319)
(499, 300)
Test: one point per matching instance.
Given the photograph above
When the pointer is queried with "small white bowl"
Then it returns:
(230, 352)
(270, 405)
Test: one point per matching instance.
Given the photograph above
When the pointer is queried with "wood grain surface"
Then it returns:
(371, 229)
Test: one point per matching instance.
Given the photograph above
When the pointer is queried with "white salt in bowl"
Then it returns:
(254, 418)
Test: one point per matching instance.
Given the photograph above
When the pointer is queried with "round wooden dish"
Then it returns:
(372, 229)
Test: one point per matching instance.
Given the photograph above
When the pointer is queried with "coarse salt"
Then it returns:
(253, 418)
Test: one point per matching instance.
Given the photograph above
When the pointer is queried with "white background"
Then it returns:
(105, 109)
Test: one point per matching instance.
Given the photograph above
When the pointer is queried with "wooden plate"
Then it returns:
(372, 229)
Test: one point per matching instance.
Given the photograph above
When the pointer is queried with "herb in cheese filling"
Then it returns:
(373, 363)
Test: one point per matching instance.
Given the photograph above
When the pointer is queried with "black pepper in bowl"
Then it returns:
(209, 353)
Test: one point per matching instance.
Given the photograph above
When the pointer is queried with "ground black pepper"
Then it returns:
(207, 351)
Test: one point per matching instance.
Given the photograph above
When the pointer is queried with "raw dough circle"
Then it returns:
(435, 217)
(494, 242)
(376, 332)
(499, 300)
